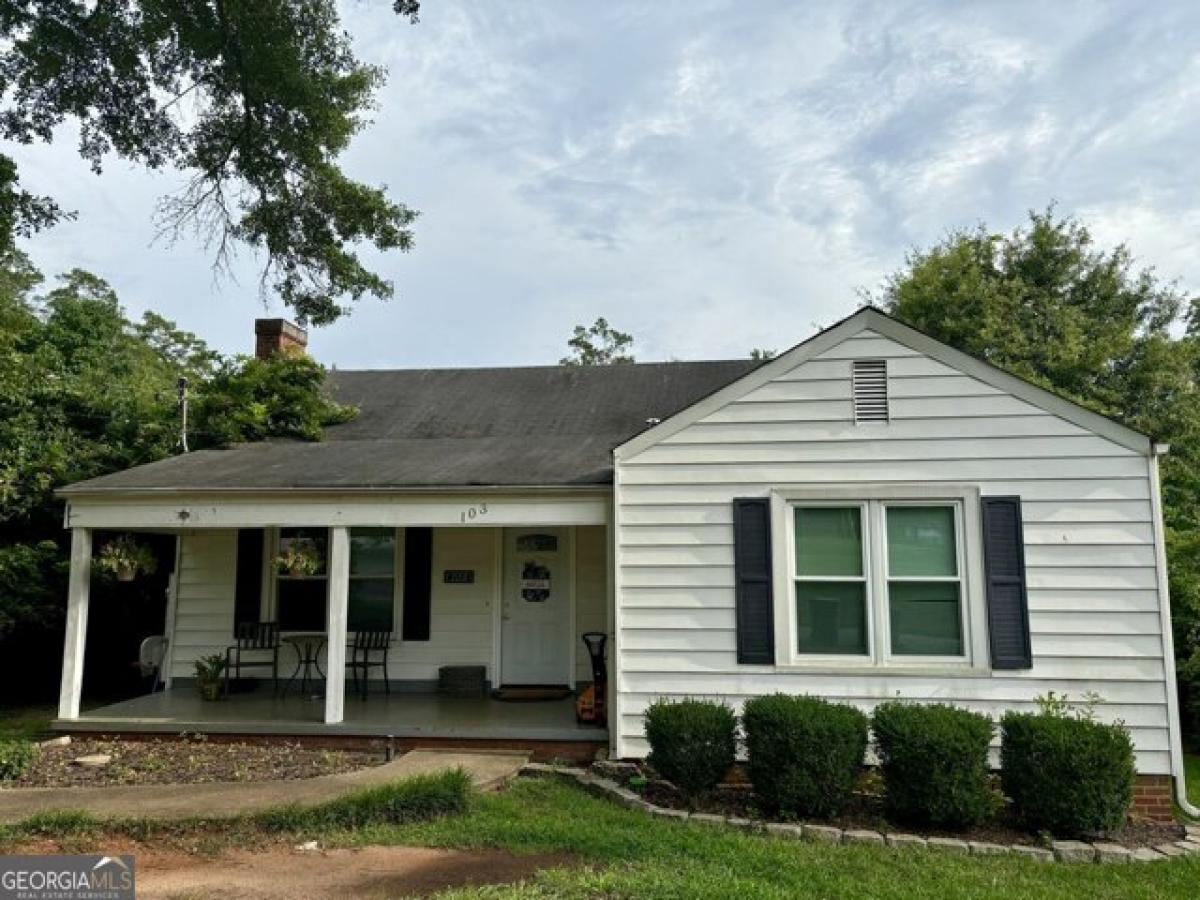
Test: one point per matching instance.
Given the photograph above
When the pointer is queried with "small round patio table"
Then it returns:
(308, 646)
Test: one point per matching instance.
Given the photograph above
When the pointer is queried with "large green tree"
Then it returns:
(85, 391)
(254, 100)
(1046, 303)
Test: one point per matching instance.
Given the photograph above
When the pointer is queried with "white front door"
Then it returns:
(535, 615)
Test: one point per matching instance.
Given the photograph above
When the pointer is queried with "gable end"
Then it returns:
(874, 320)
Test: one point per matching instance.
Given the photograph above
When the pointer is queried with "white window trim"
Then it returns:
(968, 518)
(884, 607)
(270, 594)
(864, 512)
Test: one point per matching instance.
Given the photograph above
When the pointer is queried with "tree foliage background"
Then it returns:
(598, 345)
(85, 391)
(254, 101)
(1047, 304)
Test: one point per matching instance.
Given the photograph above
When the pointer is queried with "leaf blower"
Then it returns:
(591, 707)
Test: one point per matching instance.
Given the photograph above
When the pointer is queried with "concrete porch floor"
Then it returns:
(402, 715)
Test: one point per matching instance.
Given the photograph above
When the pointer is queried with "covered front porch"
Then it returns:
(399, 715)
(503, 583)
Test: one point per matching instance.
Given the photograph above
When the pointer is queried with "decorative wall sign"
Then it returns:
(535, 583)
(458, 576)
(537, 543)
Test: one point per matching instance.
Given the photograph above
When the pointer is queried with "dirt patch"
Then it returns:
(369, 872)
(866, 811)
(196, 761)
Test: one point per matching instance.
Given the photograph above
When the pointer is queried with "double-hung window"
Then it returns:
(372, 597)
(301, 572)
(831, 580)
(924, 580)
(877, 581)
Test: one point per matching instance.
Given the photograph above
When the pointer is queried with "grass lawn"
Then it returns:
(620, 853)
(627, 854)
(25, 722)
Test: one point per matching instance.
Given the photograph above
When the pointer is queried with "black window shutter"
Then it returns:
(1004, 562)
(247, 589)
(752, 579)
(418, 583)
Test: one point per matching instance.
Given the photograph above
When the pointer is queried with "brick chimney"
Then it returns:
(273, 336)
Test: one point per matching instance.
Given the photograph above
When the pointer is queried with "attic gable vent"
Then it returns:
(869, 384)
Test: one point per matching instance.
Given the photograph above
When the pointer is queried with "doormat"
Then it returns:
(530, 694)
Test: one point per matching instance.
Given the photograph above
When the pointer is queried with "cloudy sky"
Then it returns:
(712, 176)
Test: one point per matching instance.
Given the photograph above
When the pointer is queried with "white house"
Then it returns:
(870, 515)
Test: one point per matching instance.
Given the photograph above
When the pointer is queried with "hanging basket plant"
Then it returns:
(301, 557)
(125, 558)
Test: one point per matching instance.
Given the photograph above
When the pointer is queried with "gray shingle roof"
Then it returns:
(551, 425)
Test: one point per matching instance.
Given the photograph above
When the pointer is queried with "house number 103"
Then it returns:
(471, 513)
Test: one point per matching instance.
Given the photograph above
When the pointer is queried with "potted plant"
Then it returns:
(209, 670)
(299, 557)
(126, 558)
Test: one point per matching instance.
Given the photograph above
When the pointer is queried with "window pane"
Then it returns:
(925, 618)
(828, 541)
(921, 541)
(370, 604)
(372, 551)
(302, 604)
(832, 617)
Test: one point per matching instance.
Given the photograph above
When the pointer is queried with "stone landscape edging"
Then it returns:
(1060, 851)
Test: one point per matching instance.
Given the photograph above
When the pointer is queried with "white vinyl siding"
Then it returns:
(204, 605)
(462, 614)
(1092, 583)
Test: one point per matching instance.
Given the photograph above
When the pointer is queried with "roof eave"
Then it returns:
(68, 493)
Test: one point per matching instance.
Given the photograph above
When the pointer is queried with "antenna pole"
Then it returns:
(183, 414)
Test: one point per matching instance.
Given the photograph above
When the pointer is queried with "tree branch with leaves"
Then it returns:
(255, 100)
(599, 345)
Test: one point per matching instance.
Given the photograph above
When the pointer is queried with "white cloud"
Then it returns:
(710, 176)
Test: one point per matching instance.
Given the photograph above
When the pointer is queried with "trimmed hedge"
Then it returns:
(15, 757)
(1068, 776)
(935, 763)
(692, 742)
(804, 753)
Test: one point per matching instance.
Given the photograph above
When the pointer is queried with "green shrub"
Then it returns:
(1066, 775)
(15, 757)
(412, 799)
(935, 763)
(692, 742)
(1187, 671)
(804, 753)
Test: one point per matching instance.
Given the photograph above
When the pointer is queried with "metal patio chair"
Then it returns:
(369, 650)
(254, 638)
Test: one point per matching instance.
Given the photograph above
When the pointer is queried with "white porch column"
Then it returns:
(335, 650)
(79, 586)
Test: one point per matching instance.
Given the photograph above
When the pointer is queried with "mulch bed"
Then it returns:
(195, 761)
(866, 811)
